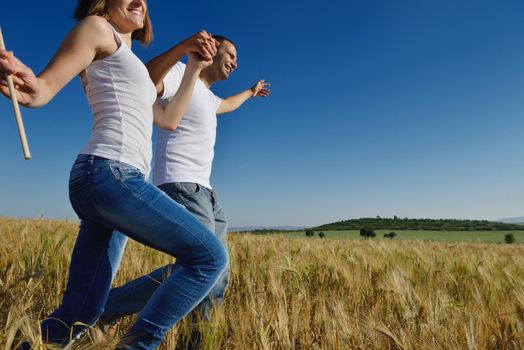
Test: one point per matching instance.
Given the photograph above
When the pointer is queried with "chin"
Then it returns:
(136, 23)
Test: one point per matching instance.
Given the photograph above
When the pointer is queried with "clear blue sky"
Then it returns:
(378, 107)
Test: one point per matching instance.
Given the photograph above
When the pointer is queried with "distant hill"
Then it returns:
(517, 220)
(266, 228)
(419, 224)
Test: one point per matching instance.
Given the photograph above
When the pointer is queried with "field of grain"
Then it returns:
(299, 293)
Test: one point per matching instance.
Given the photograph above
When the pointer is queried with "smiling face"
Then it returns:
(225, 62)
(127, 15)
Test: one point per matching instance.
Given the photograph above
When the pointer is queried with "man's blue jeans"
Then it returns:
(107, 196)
(132, 297)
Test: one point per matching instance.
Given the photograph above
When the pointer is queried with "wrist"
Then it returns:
(182, 48)
(33, 103)
(193, 67)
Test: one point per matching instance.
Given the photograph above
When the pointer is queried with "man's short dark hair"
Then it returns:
(221, 39)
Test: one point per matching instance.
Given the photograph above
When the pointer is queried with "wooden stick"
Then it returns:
(16, 108)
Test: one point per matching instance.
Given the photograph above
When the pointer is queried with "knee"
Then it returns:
(208, 258)
(218, 258)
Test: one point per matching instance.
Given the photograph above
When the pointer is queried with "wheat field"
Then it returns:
(297, 293)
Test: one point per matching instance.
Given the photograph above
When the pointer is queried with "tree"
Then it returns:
(367, 232)
(390, 235)
(509, 238)
(310, 233)
(321, 234)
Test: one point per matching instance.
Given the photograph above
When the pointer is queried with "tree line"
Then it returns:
(397, 223)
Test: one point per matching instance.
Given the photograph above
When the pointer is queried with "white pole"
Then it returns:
(16, 108)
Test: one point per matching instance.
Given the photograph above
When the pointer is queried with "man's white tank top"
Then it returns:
(121, 95)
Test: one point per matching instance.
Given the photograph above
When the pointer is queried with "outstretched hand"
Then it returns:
(203, 44)
(25, 81)
(261, 89)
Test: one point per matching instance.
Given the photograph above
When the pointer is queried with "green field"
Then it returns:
(467, 236)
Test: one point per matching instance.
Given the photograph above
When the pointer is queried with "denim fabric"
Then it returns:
(109, 195)
(131, 297)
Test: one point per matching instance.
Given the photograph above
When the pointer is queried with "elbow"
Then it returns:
(166, 119)
(172, 124)
(168, 126)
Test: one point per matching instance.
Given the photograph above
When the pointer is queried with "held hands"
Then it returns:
(201, 43)
(25, 81)
(196, 61)
(260, 89)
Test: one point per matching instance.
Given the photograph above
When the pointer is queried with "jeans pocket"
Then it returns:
(188, 188)
(123, 171)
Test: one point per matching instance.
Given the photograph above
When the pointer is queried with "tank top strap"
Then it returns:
(117, 34)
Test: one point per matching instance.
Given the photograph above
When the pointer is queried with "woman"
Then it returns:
(108, 187)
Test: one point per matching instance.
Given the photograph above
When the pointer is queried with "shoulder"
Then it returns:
(96, 29)
(95, 24)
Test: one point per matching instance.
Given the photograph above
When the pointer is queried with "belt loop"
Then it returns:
(91, 159)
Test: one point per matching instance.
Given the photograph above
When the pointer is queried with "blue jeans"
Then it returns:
(132, 297)
(109, 195)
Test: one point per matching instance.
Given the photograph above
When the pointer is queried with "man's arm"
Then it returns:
(233, 102)
(201, 43)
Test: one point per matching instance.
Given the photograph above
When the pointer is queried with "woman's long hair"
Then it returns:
(86, 8)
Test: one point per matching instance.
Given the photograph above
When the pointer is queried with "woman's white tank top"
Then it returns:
(121, 95)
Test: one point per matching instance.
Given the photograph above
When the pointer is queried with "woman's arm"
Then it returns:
(169, 117)
(202, 43)
(91, 38)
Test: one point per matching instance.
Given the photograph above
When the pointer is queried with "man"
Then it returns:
(182, 169)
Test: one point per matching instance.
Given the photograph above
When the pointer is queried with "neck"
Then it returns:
(207, 78)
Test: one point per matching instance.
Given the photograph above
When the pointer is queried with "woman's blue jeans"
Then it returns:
(203, 204)
(109, 195)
